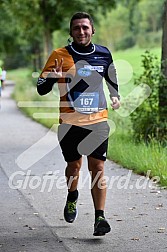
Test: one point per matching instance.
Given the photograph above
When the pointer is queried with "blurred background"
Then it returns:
(31, 29)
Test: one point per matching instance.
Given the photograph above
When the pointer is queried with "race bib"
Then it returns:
(86, 102)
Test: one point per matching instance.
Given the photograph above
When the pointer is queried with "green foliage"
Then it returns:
(112, 29)
(28, 27)
(149, 15)
(31, 26)
(145, 119)
(149, 39)
(129, 24)
(126, 42)
(147, 20)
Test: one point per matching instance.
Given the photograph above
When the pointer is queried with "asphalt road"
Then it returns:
(33, 194)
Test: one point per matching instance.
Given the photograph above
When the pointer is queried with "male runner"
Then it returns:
(79, 69)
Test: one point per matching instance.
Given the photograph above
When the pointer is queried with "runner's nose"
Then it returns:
(81, 31)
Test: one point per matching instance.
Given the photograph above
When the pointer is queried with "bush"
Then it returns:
(145, 119)
(149, 39)
(126, 42)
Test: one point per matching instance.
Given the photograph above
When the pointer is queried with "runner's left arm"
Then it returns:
(111, 78)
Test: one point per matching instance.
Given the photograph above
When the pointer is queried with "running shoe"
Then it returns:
(101, 227)
(70, 211)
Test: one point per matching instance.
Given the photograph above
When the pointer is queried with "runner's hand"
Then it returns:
(58, 68)
(115, 103)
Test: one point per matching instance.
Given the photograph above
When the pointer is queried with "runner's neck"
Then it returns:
(83, 49)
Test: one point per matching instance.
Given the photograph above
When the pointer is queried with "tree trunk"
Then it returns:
(163, 83)
(47, 33)
(164, 40)
(48, 47)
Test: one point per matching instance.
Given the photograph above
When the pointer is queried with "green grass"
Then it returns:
(25, 90)
(133, 56)
(122, 148)
(140, 157)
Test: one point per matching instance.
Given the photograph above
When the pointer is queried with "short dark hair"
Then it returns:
(80, 15)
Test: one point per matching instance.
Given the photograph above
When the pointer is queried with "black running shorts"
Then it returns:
(89, 140)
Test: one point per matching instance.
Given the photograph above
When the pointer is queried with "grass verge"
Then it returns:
(139, 157)
(25, 91)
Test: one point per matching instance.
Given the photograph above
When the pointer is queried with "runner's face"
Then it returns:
(81, 31)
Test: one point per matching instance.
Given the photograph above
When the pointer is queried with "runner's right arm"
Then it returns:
(47, 78)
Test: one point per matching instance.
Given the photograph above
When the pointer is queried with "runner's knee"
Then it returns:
(73, 168)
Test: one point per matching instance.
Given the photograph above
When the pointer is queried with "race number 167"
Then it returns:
(86, 101)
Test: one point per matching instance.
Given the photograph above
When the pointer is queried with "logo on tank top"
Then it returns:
(84, 72)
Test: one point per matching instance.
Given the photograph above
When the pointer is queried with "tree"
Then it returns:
(36, 20)
(131, 5)
(19, 33)
(56, 14)
(112, 30)
(149, 120)
(163, 83)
